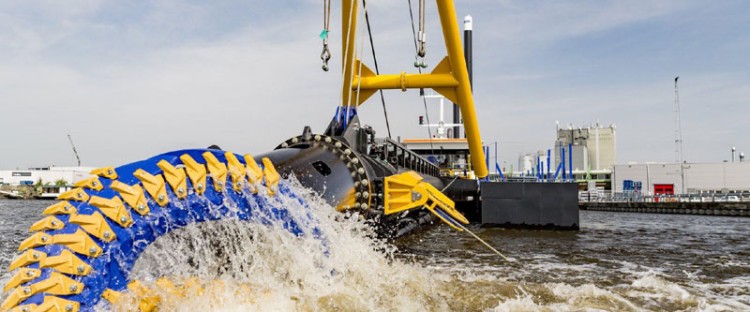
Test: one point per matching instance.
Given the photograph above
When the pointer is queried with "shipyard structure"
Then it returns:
(587, 155)
(697, 180)
(601, 178)
(594, 154)
(41, 182)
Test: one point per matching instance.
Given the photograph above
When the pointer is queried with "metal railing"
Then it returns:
(400, 156)
(636, 197)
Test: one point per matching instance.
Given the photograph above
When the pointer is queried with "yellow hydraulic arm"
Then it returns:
(449, 78)
(407, 191)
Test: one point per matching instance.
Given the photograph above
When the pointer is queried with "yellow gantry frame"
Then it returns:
(449, 78)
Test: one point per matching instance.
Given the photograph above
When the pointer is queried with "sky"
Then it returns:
(132, 79)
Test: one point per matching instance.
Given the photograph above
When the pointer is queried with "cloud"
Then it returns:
(129, 80)
(233, 92)
(27, 27)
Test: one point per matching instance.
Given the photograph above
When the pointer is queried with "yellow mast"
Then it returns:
(449, 78)
(348, 36)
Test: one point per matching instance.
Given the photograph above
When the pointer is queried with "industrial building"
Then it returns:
(673, 179)
(590, 163)
(527, 162)
(594, 154)
(594, 147)
(47, 175)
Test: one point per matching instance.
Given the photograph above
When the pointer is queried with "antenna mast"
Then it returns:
(677, 124)
(74, 150)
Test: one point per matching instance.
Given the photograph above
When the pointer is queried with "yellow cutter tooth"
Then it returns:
(24, 308)
(196, 172)
(15, 297)
(48, 223)
(22, 276)
(138, 289)
(26, 258)
(236, 170)
(63, 207)
(113, 209)
(76, 194)
(94, 224)
(176, 178)
(168, 286)
(55, 304)
(133, 195)
(56, 284)
(149, 304)
(112, 296)
(217, 169)
(79, 242)
(90, 183)
(67, 263)
(106, 172)
(37, 239)
(272, 176)
(254, 173)
(154, 185)
(148, 301)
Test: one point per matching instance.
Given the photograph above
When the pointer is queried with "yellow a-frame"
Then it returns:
(449, 78)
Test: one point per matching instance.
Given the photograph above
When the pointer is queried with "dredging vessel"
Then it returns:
(80, 255)
(82, 251)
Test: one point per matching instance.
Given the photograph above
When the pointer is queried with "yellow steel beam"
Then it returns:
(450, 78)
(465, 98)
(407, 81)
(348, 36)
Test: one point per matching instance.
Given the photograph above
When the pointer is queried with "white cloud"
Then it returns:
(130, 81)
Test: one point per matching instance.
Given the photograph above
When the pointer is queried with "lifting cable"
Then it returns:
(422, 38)
(359, 69)
(325, 56)
(421, 91)
(377, 70)
(419, 46)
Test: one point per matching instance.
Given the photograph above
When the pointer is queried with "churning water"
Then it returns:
(616, 262)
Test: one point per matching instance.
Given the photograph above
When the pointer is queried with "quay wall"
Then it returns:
(530, 205)
(709, 209)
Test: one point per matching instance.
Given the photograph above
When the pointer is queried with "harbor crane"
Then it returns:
(78, 158)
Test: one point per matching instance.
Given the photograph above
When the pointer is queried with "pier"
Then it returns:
(741, 209)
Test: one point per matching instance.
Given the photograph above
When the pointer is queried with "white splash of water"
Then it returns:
(245, 266)
(241, 266)
(658, 287)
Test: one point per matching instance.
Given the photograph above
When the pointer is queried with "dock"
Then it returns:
(741, 209)
(11, 195)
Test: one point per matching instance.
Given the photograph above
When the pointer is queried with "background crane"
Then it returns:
(78, 158)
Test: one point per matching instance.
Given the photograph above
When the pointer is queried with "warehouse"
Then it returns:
(47, 175)
(699, 178)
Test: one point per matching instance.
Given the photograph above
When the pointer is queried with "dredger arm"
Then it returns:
(86, 246)
(450, 78)
(407, 191)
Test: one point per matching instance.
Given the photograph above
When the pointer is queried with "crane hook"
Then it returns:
(325, 56)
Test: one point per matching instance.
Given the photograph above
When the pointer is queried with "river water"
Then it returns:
(616, 262)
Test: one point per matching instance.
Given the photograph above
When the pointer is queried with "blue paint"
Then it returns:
(344, 115)
(538, 168)
(557, 171)
(500, 172)
(549, 154)
(562, 162)
(570, 161)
